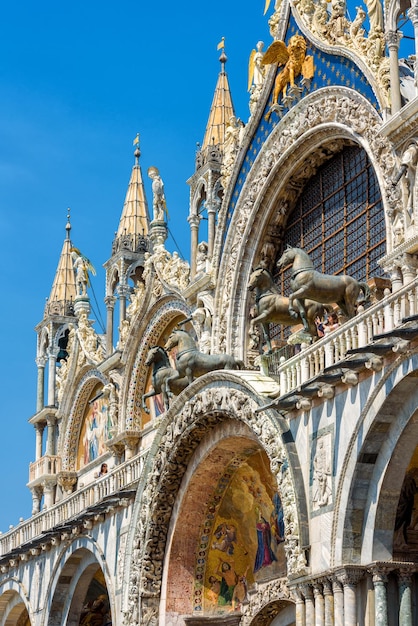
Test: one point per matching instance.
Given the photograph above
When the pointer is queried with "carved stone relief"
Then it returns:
(184, 430)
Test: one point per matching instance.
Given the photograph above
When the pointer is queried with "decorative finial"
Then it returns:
(221, 46)
(68, 224)
(137, 152)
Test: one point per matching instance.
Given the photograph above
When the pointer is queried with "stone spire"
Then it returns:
(125, 267)
(221, 110)
(63, 292)
(134, 221)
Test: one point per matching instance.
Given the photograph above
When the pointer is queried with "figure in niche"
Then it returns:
(405, 510)
(321, 477)
(201, 257)
(82, 267)
(97, 613)
(202, 317)
(265, 555)
(408, 168)
(158, 202)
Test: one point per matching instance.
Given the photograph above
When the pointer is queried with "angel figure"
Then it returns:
(295, 62)
(255, 67)
(82, 266)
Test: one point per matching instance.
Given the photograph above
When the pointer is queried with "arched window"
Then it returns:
(338, 219)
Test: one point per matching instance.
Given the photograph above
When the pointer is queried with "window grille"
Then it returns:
(338, 220)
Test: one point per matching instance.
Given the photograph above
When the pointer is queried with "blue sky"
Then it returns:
(77, 82)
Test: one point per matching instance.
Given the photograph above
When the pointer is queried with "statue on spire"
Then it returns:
(159, 204)
(82, 266)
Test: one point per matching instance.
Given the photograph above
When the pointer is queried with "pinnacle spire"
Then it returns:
(63, 290)
(134, 221)
(222, 108)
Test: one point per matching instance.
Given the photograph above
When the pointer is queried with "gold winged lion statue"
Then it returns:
(293, 57)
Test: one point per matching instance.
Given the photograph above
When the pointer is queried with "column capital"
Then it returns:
(306, 589)
(393, 38)
(350, 576)
(194, 221)
(41, 361)
(110, 302)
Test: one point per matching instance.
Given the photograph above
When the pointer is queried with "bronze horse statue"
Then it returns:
(273, 308)
(161, 370)
(306, 282)
(191, 363)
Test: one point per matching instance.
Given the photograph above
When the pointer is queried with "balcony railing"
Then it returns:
(45, 466)
(121, 477)
(380, 318)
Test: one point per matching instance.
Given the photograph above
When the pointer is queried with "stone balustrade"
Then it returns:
(121, 477)
(386, 315)
(47, 465)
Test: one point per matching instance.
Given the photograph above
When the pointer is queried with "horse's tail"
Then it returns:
(366, 292)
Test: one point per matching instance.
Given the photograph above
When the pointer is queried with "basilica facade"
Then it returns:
(241, 446)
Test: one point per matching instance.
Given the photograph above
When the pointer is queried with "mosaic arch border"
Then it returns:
(164, 313)
(321, 117)
(369, 413)
(94, 554)
(209, 401)
(14, 585)
(71, 431)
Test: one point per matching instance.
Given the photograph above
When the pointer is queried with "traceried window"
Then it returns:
(338, 219)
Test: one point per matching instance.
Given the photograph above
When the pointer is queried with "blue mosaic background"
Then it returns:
(330, 69)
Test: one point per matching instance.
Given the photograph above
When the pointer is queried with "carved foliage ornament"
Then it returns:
(352, 118)
(182, 436)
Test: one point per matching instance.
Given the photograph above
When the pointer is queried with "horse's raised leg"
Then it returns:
(302, 312)
(150, 394)
(168, 382)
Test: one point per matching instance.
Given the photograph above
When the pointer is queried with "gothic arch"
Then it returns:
(148, 331)
(70, 431)
(14, 602)
(70, 579)
(378, 454)
(211, 402)
(309, 134)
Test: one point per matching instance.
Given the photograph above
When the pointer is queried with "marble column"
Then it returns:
(40, 363)
(50, 441)
(122, 292)
(393, 38)
(405, 597)
(36, 499)
(52, 362)
(329, 602)
(349, 579)
(337, 589)
(110, 308)
(309, 605)
(300, 607)
(380, 598)
(39, 429)
(49, 490)
(194, 221)
(319, 605)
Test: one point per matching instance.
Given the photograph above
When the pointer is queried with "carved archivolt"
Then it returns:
(309, 134)
(149, 338)
(181, 432)
(68, 445)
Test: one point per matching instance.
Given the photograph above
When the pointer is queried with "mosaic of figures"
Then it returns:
(406, 523)
(245, 543)
(97, 427)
